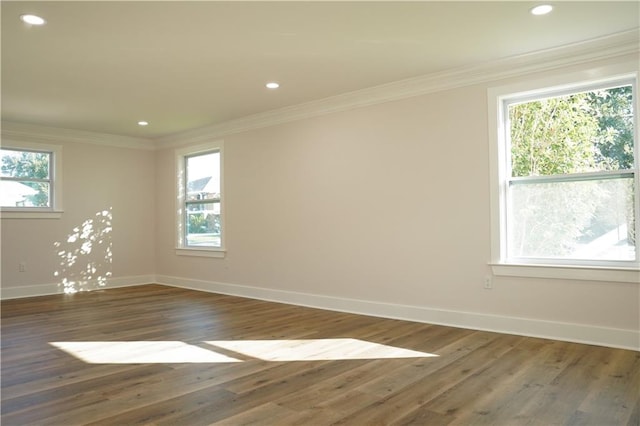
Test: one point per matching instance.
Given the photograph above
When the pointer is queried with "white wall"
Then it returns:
(383, 209)
(354, 204)
(97, 179)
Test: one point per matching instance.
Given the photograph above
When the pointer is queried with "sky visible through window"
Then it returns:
(201, 166)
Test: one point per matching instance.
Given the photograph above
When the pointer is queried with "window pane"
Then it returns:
(25, 164)
(576, 133)
(203, 184)
(591, 220)
(203, 177)
(203, 224)
(24, 194)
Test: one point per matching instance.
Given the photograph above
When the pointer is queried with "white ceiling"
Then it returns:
(102, 66)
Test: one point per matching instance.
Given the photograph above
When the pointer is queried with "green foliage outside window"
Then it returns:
(577, 133)
(583, 132)
(201, 223)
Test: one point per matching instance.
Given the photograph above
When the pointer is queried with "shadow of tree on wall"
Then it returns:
(86, 255)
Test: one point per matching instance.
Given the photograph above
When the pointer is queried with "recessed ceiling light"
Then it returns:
(542, 9)
(32, 19)
(272, 85)
(143, 123)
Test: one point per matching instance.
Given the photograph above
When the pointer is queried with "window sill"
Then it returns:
(216, 253)
(568, 272)
(30, 214)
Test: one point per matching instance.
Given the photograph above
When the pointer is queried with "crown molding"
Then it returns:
(605, 48)
(600, 49)
(43, 134)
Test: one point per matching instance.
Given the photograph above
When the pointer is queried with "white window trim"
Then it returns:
(56, 210)
(181, 248)
(497, 164)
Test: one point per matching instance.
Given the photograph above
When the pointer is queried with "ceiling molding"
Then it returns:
(43, 134)
(604, 48)
(617, 45)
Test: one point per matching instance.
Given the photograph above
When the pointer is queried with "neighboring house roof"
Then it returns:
(204, 185)
(12, 193)
(198, 185)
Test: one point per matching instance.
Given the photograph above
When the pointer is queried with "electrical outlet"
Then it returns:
(22, 267)
(488, 282)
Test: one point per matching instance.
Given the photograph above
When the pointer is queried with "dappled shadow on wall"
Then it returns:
(86, 255)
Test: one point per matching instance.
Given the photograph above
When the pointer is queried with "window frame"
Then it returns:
(498, 100)
(54, 210)
(182, 155)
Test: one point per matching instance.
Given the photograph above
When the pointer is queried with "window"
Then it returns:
(30, 180)
(567, 177)
(199, 215)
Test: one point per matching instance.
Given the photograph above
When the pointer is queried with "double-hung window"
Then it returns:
(199, 210)
(567, 177)
(30, 180)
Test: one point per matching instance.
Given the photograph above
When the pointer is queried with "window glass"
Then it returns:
(26, 178)
(571, 186)
(576, 133)
(589, 219)
(202, 200)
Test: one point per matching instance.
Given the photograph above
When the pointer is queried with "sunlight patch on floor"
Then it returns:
(174, 352)
(148, 352)
(316, 349)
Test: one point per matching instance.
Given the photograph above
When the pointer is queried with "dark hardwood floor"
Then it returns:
(161, 355)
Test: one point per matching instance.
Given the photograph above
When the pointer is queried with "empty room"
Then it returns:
(315, 213)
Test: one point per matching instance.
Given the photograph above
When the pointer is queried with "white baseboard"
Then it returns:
(579, 333)
(16, 292)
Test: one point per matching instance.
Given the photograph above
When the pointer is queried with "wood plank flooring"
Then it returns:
(160, 355)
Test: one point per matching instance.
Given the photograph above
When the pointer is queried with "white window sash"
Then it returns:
(573, 177)
(182, 156)
(55, 208)
(501, 180)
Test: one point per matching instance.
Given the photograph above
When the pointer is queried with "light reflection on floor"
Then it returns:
(149, 352)
(229, 351)
(315, 349)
